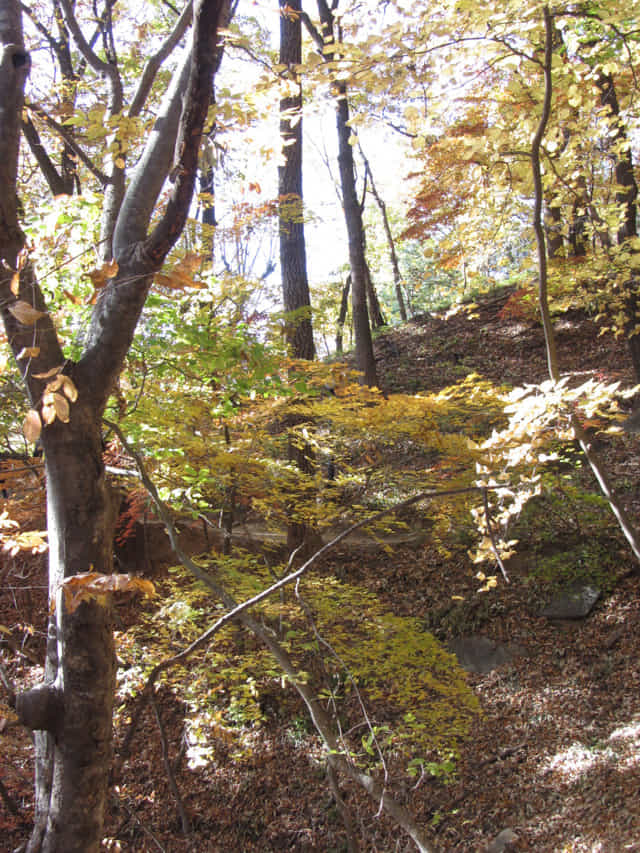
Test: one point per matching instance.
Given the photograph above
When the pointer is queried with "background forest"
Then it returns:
(318, 448)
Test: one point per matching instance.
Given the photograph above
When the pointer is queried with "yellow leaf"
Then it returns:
(15, 283)
(32, 426)
(25, 313)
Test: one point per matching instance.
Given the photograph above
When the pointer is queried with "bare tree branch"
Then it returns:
(155, 61)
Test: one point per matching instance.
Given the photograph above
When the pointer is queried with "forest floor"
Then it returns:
(555, 754)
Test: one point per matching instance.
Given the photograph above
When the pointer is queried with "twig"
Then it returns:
(184, 817)
(494, 544)
(343, 808)
(133, 816)
(8, 686)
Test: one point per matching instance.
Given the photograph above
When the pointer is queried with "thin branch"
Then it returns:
(8, 686)
(67, 138)
(343, 808)
(155, 61)
(84, 47)
(173, 785)
(492, 538)
(109, 69)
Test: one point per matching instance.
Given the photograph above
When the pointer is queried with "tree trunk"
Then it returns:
(72, 714)
(342, 316)
(375, 311)
(382, 207)
(353, 217)
(329, 49)
(293, 256)
(626, 197)
(71, 710)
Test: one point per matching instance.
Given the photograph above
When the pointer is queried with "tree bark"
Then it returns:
(375, 311)
(626, 524)
(626, 198)
(293, 255)
(365, 359)
(71, 711)
(342, 316)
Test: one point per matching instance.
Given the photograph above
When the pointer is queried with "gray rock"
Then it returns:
(481, 655)
(505, 840)
(574, 602)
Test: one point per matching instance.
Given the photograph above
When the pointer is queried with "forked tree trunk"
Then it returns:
(365, 359)
(71, 710)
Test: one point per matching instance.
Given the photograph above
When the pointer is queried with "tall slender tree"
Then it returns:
(71, 710)
(328, 43)
(293, 256)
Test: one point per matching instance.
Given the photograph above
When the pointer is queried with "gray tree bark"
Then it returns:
(71, 711)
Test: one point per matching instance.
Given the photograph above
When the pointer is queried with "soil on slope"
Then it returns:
(555, 755)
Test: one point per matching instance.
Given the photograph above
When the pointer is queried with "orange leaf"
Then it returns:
(99, 277)
(28, 352)
(76, 300)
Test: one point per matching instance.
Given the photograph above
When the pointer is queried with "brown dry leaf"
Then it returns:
(53, 372)
(32, 426)
(178, 278)
(15, 283)
(48, 413)
(61, 405)
(25, 313)
(28, 352)
(69, 389)
(95, 586)
(52, 400)
(99, 277)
